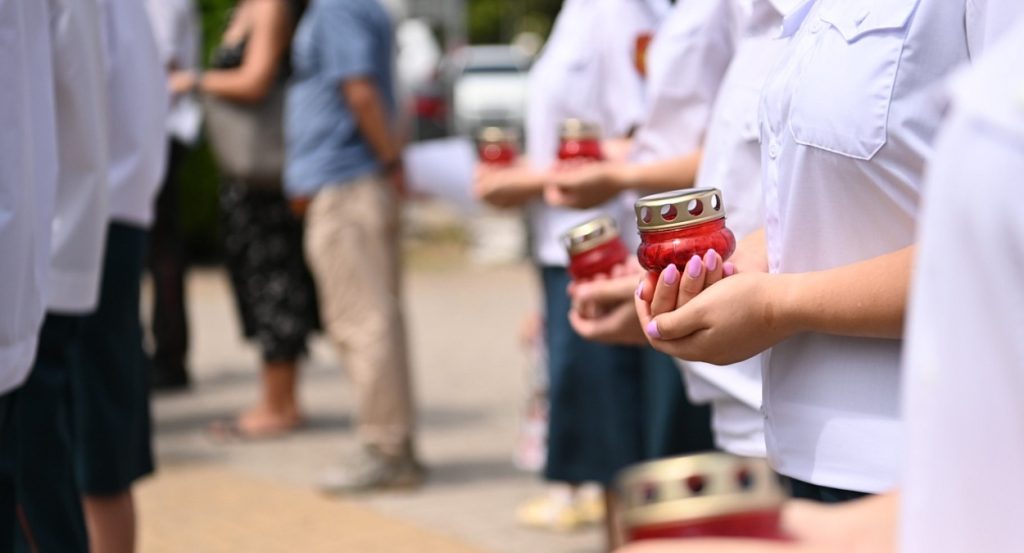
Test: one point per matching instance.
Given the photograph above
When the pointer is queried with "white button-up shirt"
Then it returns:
(176, 28)
(586, 71)
(732, 163)
(28, 176)
(965, 329)
(80, 217)
(848, 119)
(138, 100)
(685, 65)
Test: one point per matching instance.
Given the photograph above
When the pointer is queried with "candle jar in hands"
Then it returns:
(700, 496)
(594, 247)
(675, 226)
(498, 146)
(579, 140)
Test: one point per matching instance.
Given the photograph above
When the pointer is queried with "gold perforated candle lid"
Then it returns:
(679, 208)
(697, 487)
(591, 234)
(493, 135)
(578, 129)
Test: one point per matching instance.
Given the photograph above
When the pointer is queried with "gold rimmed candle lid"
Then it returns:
(492, 135)
(679, 208)
(696, 487)
(578, 129)
(589, 235)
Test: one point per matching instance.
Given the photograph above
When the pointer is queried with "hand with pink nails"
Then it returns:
(697, 314)
(709, 311)
(603, 309)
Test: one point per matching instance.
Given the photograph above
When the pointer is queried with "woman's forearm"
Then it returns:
(268, 42)
(866, 299)
(366, 104)
(235, 84)
(658, 176)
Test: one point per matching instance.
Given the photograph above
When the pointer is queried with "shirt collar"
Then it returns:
(795, 16)
(660, 8)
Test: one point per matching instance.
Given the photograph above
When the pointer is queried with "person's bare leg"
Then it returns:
(110, 520)
(612, 527)
(278, 409)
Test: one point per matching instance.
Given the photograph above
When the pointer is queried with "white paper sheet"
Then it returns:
(442, 168)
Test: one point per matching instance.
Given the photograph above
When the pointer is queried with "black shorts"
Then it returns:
(110, 380)
(822, 494)
(40, 507)
(611, 406)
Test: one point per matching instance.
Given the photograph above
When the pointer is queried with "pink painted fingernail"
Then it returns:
(671, 274)
(728, 269)
(693, 266)
(711, 259)
(640, 289)
(652, 330)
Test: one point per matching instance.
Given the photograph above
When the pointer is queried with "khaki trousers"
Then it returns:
(352, 248)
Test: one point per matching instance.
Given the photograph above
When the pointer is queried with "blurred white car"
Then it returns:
(488, 87)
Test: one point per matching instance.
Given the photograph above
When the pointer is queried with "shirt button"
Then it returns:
(773, 150)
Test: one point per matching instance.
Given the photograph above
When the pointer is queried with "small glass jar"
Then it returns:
(701, 496)
(675, 226)
(498, 146)
(579, 140)
(594, 248)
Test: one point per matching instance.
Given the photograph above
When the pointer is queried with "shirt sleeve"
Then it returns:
(80, 212)
(689, 58)
(621, 91)
(163, 18)
(344, 41)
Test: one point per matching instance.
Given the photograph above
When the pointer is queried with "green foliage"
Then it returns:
(496, 21)
(214, 14)
(199, 179)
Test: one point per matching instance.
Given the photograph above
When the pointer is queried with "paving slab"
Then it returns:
(470, 378)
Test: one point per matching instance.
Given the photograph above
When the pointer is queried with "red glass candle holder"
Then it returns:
(675, 226)
(700, 496)
(498, 146)
(594, 248)
(579, 140)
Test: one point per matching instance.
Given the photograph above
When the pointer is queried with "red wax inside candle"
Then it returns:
(598, 260)
(658, 249)
(498, 153)
(583, 148)
(759, 524)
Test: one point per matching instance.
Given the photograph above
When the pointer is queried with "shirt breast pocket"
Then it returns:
(842, 97)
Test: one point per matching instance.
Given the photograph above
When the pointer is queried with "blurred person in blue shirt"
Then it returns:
(344, 175)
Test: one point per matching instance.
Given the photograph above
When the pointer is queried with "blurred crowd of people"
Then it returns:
(862, 338)
(105, 99)
(851, 142)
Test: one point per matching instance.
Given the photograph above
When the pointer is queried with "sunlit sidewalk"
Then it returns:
(217, 510)
(261, 497)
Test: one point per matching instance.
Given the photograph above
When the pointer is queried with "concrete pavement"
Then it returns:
(470, 378)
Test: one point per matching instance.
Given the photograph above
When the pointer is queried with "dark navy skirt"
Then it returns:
(110, 375)
(611, 406)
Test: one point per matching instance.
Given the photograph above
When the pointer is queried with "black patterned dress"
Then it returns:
(274, 291)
